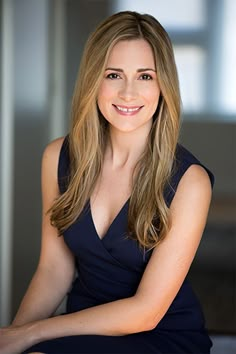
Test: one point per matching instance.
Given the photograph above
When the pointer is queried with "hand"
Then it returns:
(14, 339)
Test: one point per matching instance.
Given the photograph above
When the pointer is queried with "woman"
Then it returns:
(129, 204)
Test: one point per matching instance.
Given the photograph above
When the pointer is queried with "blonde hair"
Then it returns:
(148, 217)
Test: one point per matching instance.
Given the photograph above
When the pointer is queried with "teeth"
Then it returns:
(127, 109)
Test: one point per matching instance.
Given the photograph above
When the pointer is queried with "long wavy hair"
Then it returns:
(148, 217)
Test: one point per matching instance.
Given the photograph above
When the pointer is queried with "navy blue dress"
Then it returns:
(111, 268)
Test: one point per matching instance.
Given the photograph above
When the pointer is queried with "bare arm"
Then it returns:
(55, 270)
(157, 289)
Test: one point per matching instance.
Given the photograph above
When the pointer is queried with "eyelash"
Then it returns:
(148, 77)
(114, 76)
(111, 76)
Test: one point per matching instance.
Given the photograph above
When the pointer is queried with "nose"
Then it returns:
(128, 91)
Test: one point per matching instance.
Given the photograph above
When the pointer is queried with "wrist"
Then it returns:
(33, 332)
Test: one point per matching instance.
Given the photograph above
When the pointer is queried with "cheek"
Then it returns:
(151, 93)
(103, 99)
(153, 100)
(105, 92)
(153, 97)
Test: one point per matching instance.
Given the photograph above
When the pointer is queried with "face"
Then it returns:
(129, 92)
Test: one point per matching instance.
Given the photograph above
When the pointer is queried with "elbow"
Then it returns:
(141, 324)
(151, 319)
(153, 324)
(150, 325)
(144, 326)
(146, 323)
(144, 317)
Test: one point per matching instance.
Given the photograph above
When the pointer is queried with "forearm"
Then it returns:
(41, 299)
(117, 318)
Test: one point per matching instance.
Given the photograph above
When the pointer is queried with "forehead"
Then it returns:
(137, 52)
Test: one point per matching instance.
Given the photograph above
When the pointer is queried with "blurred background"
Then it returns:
(41, 45)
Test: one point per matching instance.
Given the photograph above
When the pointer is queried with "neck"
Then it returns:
(124, 149)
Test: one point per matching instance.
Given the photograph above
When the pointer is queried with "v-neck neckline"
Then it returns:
(101, 238)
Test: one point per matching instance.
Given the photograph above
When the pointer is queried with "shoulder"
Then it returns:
(56, 162)
(52, 150)
(191, 201)
(184, 159)
(51, 156)
(186, 169)
(195, 183)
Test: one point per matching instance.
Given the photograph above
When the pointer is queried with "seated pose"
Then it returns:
(124, 209)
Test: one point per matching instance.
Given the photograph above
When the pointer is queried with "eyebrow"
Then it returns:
(138, 70)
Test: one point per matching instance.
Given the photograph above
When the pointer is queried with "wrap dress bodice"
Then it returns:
(111, 268)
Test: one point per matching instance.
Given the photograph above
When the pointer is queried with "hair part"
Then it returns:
(148, 217)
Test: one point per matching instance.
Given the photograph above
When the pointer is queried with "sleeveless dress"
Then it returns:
(111, 268)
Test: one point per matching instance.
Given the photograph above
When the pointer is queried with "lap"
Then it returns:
(132, 344)
(137, 343)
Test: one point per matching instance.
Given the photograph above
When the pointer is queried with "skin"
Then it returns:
(130, 81)
(56, 268)
(127, 85)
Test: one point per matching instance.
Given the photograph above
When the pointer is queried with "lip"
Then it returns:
(127, 110)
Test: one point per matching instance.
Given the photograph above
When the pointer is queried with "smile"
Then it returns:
(127, 110)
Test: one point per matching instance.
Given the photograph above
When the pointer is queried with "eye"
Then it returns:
(145, 77)
(113, 76)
